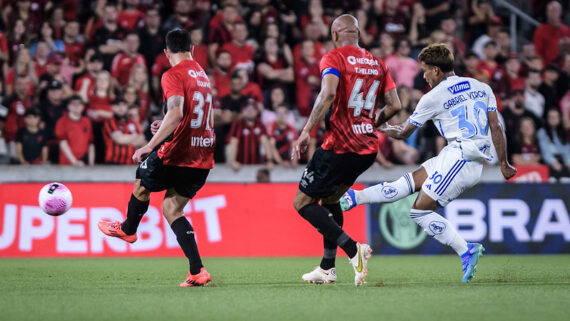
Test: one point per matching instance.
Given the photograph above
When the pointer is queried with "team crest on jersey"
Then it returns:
(459, 87)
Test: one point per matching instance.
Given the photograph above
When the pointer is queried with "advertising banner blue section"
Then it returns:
(505, 218)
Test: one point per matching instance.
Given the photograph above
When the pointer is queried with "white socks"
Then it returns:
(386, 192)
(440, 228)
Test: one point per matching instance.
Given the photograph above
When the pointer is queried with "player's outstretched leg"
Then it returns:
(138, 205)
(172, 209)
(323, 221)
(384, 192)
(326, 271)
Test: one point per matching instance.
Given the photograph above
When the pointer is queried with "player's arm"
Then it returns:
(322, 104)
(392, 107)
(402, 131)
(500, 142)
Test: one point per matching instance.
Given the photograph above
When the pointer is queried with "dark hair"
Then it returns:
(518, 136)
(178, 40)
(72, 98)
(558, 130)
(437, 55)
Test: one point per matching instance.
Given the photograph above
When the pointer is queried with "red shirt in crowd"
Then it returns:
(97, 102)
(11, 77)
(79, 82)
(284, 138)
(200, 54)
(306, 93)
(122, 66)
(78, 134)
(130, 20)
(319, 51)
(249, 141)
(252, 90)
(161, 64)
(219, 35)
(221, 83)
(242, 57)
(193, 140)
(3, 42)
(74, 51)
(352, 127)
(488, 70)
(546, 39)
(15, 117)
(117, 153)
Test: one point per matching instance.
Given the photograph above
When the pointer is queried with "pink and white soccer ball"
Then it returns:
(55, 199)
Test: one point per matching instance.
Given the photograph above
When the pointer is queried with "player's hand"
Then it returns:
(141, 153)
(155, 126)
(236, 166)
(300, 145)
(508, 170)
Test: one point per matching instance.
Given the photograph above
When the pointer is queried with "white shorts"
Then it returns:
(449, 174)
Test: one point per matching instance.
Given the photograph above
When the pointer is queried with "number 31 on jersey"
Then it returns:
(199, 111)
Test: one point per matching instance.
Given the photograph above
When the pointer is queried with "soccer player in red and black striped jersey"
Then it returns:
(179, 156)
(352, 78)
(121, 135)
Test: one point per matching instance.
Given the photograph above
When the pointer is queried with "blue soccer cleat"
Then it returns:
(348, 200)
(470, 260)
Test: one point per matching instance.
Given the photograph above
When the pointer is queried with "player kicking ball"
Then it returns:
(179, 156)
(352, 78)
(463, 109)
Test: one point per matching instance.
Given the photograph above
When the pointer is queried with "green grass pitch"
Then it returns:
(399, 288)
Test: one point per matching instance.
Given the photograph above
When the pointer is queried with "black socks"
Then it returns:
(135, 214)
(323, 221)
(185, 236)
(329, 255)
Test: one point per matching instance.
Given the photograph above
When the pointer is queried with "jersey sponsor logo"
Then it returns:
(197, 73)
(363, 128)
(202, 141)
(365, 61)
(459, 87)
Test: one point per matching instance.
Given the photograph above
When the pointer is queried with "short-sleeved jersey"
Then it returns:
(362, 78)
(458, 107)
(193, 140)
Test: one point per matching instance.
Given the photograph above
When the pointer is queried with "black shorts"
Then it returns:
(155, 176)
(326, 171)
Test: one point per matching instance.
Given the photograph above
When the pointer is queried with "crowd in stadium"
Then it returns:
(81, 79)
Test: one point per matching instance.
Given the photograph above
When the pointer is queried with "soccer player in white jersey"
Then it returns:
(463, 110)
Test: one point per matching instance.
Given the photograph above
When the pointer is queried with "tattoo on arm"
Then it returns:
(174, 101)
(319, 110)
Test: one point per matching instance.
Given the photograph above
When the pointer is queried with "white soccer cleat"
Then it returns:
(320, 276)
(360, 262)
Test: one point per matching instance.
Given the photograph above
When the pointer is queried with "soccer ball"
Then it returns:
(55, 199)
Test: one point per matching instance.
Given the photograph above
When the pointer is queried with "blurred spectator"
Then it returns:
(222, 73)
(282, 136)
(503, 41)
(151, 37)
(46, 34)
(436, 10)
(161, 64)
(419, 33)
(513, 112)
(124, 62)
(94, 64)
(52, 107)
(74, 46)
(133, 102)
(368, 29)
(222, 32)
(316, 17)
(17, 38)
(554, 146)
(448, 26)
(525, 149)
(57, 18)
(75, 135)
(16, 105)
(307, 78)
(402, 68)
(99, 109)
(479, 15)
(272, 67)
(31, 145)
(387, 44)
(510, 79)
(247, 139)
(180, 18)
(108, 37)
(131, 18)
(22, 10)
(533, 100)
(473, 69)
(232, 105)
(23, 65)
(241, 52)
(391, 18)
(122, 135)
(488, 65)
(250, 89)
(4, 50)
(199, 49)
(548, 88)
(547, 35)
(565, 109)
(494, 25)
(276, 99)
(139, 81)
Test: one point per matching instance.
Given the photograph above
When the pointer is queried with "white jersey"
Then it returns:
(458, 107)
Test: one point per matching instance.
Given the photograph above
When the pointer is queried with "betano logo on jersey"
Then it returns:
(459, 87)
(353, 61)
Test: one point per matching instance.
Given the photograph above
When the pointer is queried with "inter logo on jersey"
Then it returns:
(459, 87)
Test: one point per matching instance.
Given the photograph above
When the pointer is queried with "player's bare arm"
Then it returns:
(500, 142)
(401, 131)
(322, 104)
(171, 119)
(392, 107)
